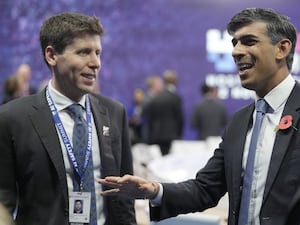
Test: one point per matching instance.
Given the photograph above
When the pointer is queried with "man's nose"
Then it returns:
(95, 61)
(238, 52)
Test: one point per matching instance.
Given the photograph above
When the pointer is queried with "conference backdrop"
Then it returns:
(142, 38)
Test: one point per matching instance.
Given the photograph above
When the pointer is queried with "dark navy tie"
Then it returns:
(261, 109)
(80, 140)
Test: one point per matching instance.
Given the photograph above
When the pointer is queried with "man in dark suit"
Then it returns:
(38, 169)
(163, 114)
(209, 116)
(264, 44)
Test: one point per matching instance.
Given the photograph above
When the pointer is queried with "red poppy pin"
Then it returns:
(285, 123)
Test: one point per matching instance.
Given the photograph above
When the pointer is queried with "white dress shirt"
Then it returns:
(276, 98)
(61, 102)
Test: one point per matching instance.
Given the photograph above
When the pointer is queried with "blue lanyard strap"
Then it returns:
(65, 138)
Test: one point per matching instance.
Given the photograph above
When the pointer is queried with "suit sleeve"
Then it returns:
(7, 160)
(193, 195)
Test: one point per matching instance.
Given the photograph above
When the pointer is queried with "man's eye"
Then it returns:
(250, 42)
(83, 52)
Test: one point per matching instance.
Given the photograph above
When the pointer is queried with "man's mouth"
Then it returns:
(89, 76)
(243, 67)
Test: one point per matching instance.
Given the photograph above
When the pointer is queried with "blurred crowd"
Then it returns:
(156, 115)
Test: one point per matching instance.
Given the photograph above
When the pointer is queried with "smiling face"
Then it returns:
(259, 62)
(74, 71)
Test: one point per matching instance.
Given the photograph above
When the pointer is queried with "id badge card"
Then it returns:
(79, 207)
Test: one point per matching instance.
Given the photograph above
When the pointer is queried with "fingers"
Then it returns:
(127, 185)
(110, 179)
(126, 179)
(109, 183)
(114, 180)
(110, 192)
(130, 186)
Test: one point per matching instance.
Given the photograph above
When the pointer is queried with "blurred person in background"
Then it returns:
(170, 81)
(164, 115)
(11, 89)
(135, 119)
(154, 85)
(42, 168)
(209, 116)
(24, 76)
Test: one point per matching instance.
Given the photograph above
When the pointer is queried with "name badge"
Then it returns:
(79, 207)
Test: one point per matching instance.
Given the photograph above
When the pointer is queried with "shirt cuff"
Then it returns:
(157, 200)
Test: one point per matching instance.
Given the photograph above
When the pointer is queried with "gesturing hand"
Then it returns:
(130, 186)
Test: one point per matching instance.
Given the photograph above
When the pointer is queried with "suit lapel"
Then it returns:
(41, 118)
(104, 132)
(238, 143)
(283, 138)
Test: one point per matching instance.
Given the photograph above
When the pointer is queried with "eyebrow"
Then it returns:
(243, 37)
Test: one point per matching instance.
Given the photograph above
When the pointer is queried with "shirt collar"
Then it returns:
(278, 96)
(61, 101)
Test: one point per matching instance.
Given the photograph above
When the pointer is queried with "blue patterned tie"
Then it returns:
(261, 109)
(80, 139)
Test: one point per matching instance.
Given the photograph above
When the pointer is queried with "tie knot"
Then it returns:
(262, 106)
(75, 110)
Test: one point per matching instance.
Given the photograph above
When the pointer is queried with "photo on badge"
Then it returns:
(79, 207)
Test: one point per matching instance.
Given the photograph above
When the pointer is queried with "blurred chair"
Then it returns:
(142, 155)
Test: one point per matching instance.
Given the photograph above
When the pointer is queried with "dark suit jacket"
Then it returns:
(209, 118)
(164, 117)
(32, 167)
(223, 174)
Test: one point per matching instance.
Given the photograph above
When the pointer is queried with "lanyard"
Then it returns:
(65, 138)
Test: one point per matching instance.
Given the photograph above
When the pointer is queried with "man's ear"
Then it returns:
(284, 48)
(50, 55)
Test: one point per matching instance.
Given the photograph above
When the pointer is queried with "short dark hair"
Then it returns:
(205, 88)
(278, 26)
(60, 30)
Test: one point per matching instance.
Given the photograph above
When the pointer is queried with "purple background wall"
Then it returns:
(143, 37)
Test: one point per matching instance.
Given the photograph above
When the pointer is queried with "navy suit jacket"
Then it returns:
(32, 170)
(222, 173)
